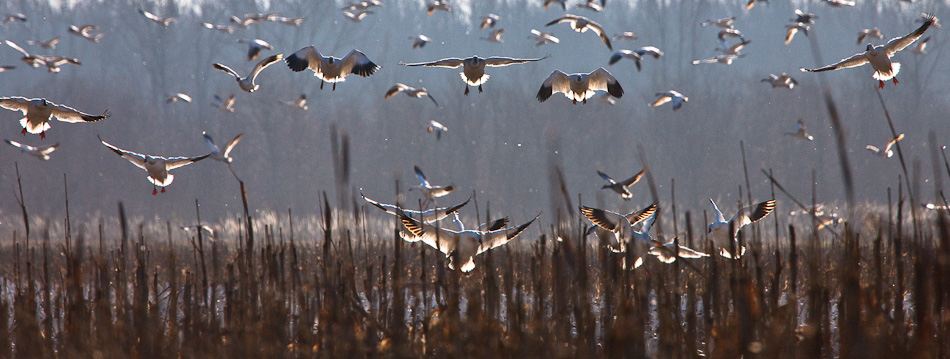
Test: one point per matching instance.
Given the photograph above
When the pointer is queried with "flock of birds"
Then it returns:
(462, 244)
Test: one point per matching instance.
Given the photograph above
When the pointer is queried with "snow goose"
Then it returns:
(840, 3)
(791, 30)
(625, 54)
(206, 230)
(48, 44)
(781, 81)
(461, 247)
(419, 41)
(621, 226)
(38, 112)
(290, 21)
(255, 47)
(473, 68)
(582, 24)
(224, 104)
(543, 37)
(216, 153)
(13, 17)
(427, 216)
(356, 16)
(429, 191)
(247, 83)
(178, 97)
(495, 36)
(248, 20)
(299, 103)
(725, 23)
(626, 35)
(735, 49)
(801, 133)
(751, 3)
(880, 56)
(667, 254)
(866, 33)
(41, 152)
(222, 28)
(157, 167)
(621, 187)
(409, 90)
(803, 17)
(719, 229)
(579, 86)
(362, 5)
(438, 128)
(331, 69)
(670, 96)
(722, 59)
(887, 152)
(163, 21)
(489, 21)
(85, 31)
(437, 5)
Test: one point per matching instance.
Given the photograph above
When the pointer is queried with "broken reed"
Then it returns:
(359, 292)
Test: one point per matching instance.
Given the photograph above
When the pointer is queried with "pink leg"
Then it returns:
(881, 84)
(163, 189)
(154, 191)
(895, 80)
(23, 132)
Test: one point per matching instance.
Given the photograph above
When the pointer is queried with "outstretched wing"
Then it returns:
(307, 57)
(753, 213)
(15, 103)
(606, 177)
(356, 62)
(230, 145)
(421, 176)
(636, 217)
(221, 67)
(602, 218)
(69, 114)
(853, 61)
(899, 43)
(263, 64)
(210, 142)
(450, 63)
(496, 238)
(505, 61)
(137, 159)
(630, 181)
(397, 88)
(442, 239)
(556, 82)
(175, 162)
(18, 48)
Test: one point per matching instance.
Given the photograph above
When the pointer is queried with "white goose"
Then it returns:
(670, 96)
(163, 21)
(216, 153)
(429, 191)
(880, 56)
(579, 86)
(85, 31)
(722, 59)
(582, 24)
(300, 103)
(38, 112)
(473, 68)
(438, 128)
(41, 152)
(409, 90)
(866, 33)
(419, 41)
(782, 80)
(719, 229)
(356, 16)
(543, 37)
(247, 83)
(224, 104)
(178, 97)
(621, 226)
(156, 166)
(489, 21)
(791, 30)
(331, 69)
(621, 187)
(427, 216)
(437, 5)
(887, 152)
(495, 36)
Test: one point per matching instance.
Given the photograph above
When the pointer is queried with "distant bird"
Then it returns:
(649, 50)
(579, 86)
(932, 206)
(6, 68)
(866, 33)
(791, 30)
(299, 103)
(751, 3)
(438, 128)
(85, 31)
(722, 59)
(887, 152)
(437, 5)
(548, 3)
(802, 132)
(39, 111)
(724, 33)
(473, 68)
(782, 80)
(409, 90)
(621, 187)
(178, 97)
(429, 191)
(735, 49)
(247, 20)
(331, 69)
(52, 63)
(48, 44)
(419, 41)
(247, 83)
(356, 16)
(222, 28)
(290, 21)
(803, 17)
(719, 229)
(495, 36)
(667, 254)
(428, 216)
(489, 21)
(921, 48)
(206, 230)
(590, 5)
(625, 54)
(622, 226)
(725, 23)
(670, 96)
(224, 104)
(218, 154)
(582, 24)
(163, 21)
(839, 3)
(362, 5)
(157, 167)
(461, 247)
(41, 152)
(627, 35)
(13, 17)
(543, 37)
(255, 47)
(880, 56)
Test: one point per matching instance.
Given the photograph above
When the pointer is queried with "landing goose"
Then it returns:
(582, 24)
(247, 83)
(331, 69)
(38, 112)
(621, 187)
(579, 86)
(719, 229)
(670, 96)
(473, 68)
(409, 90)
(157, 167)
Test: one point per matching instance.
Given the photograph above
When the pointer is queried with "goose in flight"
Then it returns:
(719, 229)
(178, 97)
(13, 17)
(880, 56)
(41, 152)
(625, 54)
(461, 247)
(205, 229)
(427, 216)
(607, 99)
(670, 96)
(248, 20)
(247, 83)
(781, 81)
(840, 3)
(429, 191)
(621, 187)
(409, 90)
(621, 226)
(495, 36)
(887, 152)
(52, 63)
(6, 68)
(543, 37)
(579, 86)
(290, 21)
(489, 21)
(473, 68)
(591, 5)
(224, 104)
(803, 17)
(222, 28)
(38, 112)
(157, 167)
(735, 49)
(548, 3)
(299, 103)
(866, 33)
(356, 16)
(722, 59)
(751, 3)
(667, 254)
(438, 128)
(331, 69)
(626, 35)
(419, 41)
(255, 47)
(921, 48)
(216, 153)
(582, 24)
(791, 30)
(163, 21)
(48, 44)
(801, 133)
(437, 5)
(725, 23)
(85, 31)
(362, 5)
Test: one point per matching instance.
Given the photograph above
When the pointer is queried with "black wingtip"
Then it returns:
(614, 89)
(365, 69)
(544, 93)
(296, 64)
(614, 59)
